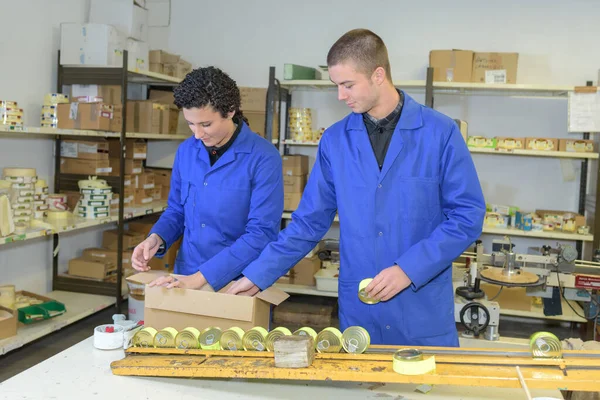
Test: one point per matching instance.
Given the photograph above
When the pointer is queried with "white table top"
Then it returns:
(83, 372)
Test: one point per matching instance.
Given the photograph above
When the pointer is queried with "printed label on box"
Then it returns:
(137, 170)
(87, 148)
(73, 110)
(68, 149)
(139, 155)
(149, 186)
(495, 76)
(103, 170)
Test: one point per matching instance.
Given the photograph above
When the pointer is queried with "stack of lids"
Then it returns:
(49, 117)
(11, 116)
(21, 182)
(95, 199)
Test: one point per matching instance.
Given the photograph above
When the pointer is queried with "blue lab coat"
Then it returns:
(227, 212)
(421, 211)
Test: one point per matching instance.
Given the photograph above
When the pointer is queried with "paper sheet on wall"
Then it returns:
(584, 112)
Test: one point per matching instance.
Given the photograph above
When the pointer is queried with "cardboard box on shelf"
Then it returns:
(142, 197)
(295, 165)
(143, 225)
(85, 167)
(87, 116)
(144, 181)
(91, 44)
(145, 116)
(72, 198)
(557, 215)
(481, 142)
(165, 193)
(451, 65)
(157, 192)
(256, 122)
(137, 52)
(253, 99)
(110, 94)
(544, 144)
(124, 15)
(161, 176)
(169, 119)
(90, 149)
(158, 68)
(510, 143)
(167, 261)
(108, 254)
(161, 96)
(96, 268)
(132, 167)
(134, 149)
(463, 127)
(183, 307)
(576, 145)
(291, 201)
(177, 70)
(495, 67)
(8, 322)
(117, 120)
(294, 184)
(163, 57)
(130, 239)
(305, 270)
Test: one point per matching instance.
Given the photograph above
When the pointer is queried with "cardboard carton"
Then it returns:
(202, 308)
(86, 149)
(294, 184)
(291, 201)
(85, 167)
(134, 149)
(543, 144)
(132, 167)
(8, 322)
(130, 239)
(495, 67)
(87, 116)
(108, 254)
(304, 271)
(296, 165)
(576, 145)
(510, 143)
(95, 268)
(451, 65)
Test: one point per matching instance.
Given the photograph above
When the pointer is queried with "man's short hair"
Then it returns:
(362, 47)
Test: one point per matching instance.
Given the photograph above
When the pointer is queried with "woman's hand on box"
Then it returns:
(243, 287)
(195, 281)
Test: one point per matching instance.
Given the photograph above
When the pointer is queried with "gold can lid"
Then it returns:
(210, 336)
(356, 339)
(408, 355)
(329, 340)
(362, 293)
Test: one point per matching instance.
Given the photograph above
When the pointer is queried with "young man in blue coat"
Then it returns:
(409, 201)
(226, 195)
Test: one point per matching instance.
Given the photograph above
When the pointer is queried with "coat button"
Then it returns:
(380, 233)
(387, 327)
(205, 183)
(380, 186)
(204, 225)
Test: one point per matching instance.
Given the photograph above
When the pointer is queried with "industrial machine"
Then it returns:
(541, 271)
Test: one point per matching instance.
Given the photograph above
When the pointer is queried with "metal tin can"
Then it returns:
(545, 345)
(165, 338)
(255, 338)
(187, 339)
(231, 339)
(144, 337)
(408, 355)
(356, 339)
(274, 335)
(362, 294)
(210, 338)
(329, 340)
(307, 331)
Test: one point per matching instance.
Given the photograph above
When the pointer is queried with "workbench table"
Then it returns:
(83, 372)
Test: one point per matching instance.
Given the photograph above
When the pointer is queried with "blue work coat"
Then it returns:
(227, 212)
(421, 211)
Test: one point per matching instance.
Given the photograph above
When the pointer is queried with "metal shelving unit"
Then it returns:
(458, 88)
(118, 76)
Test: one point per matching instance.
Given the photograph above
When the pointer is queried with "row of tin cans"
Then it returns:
(355, 339)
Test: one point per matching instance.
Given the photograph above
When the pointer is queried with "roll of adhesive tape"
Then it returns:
(108, 340)
(412, 362)
(20, 172)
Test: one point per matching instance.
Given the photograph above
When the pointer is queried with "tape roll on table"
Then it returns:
(108, 340)
(412, 362)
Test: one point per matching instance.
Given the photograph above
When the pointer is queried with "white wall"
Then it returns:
(556, 42)
(554, 39)
(29, 46)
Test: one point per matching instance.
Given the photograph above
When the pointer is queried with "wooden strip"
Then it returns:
(498, 359)
(353, 371)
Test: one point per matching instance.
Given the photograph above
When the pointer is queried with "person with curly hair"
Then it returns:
(226, 195)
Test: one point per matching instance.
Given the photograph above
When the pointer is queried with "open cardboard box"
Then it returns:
(203, 308)
(8, 322)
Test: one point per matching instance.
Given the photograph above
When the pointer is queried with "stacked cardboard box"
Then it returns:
(88, 116)
(150, 117)
(86, 157)
(295, 171)
(135, 153)
(469, 66)
(162, 181)
(162, 62)
(254, 101)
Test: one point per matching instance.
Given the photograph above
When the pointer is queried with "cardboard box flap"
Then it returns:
(273, 295)
(145, 277)
(200, 302)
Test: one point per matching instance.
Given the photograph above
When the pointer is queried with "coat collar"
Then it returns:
(411, 116)
(242, 144)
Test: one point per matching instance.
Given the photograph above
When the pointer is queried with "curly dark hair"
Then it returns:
(209, 86)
